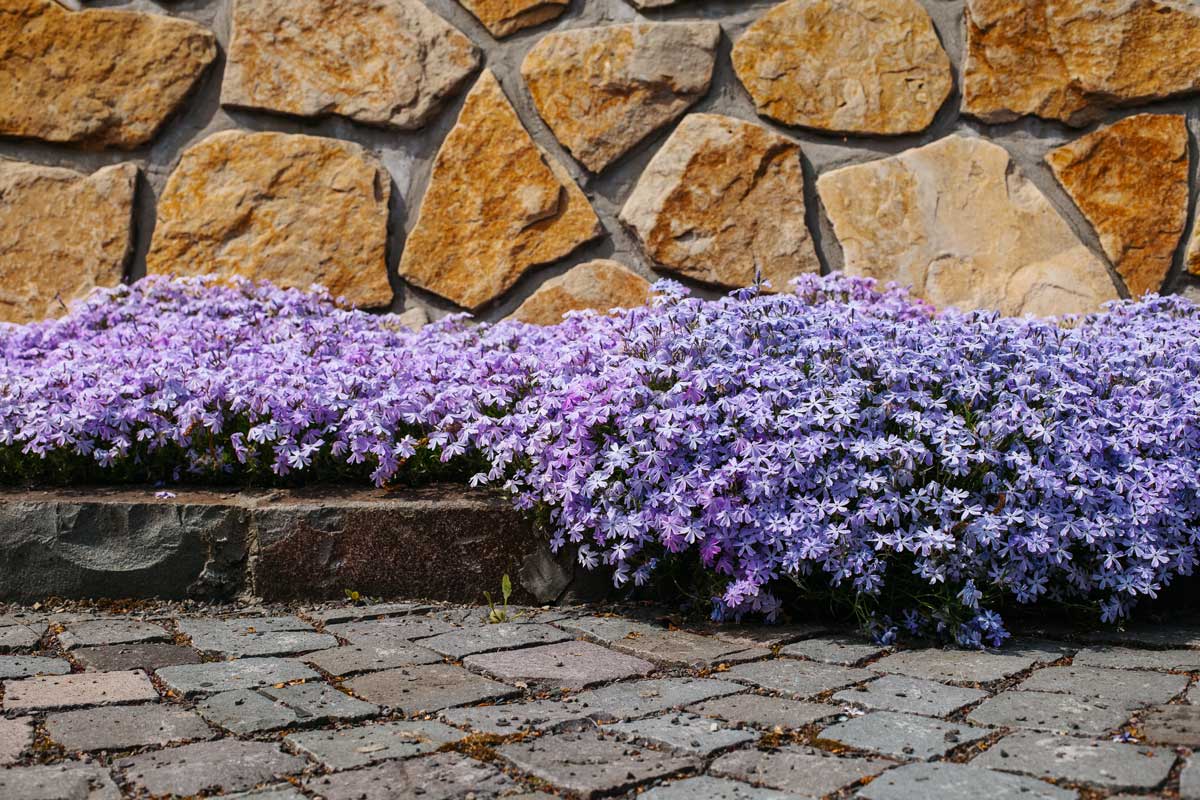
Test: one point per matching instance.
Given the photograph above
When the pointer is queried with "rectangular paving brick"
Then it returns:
(797, 678)
(911, 696)
(750, 635)
(85, 689)
(149, 656)
(349, 748)
(1105, 764)
(1130, 658)
(591, 765)
(88, 633)
(410, 628)
(1128, 686)
(903, 736)
(765, 712)
(1185, 634)
(676, 648)
(352, 659)
(427, 688)
(340, 614)
(948, 781)
(635, 699)
(444, 776)
(1053, 713)
(709, 788)
(968, 666)
(683, 733)
(568, 665)
(245, 673)
(510, 718)
(125, 727)
(254, 636)
(15, 735)
(841, 650)
(462, 642)
(67, 781)
(19, 637)
(250, 711)
(227, 765)
(805, 771)
(28, 666)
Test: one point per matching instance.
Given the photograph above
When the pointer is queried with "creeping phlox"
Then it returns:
(929, 466)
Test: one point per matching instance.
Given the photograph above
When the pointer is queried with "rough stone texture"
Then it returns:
(62, 234)
(911, 696)
(1053, 713)
(589, 765)
(797, 678)
(506, 17)
(958, 782)
(371, 657)
(28, 666)
(221, 676)
(70, 781)
(510, 718)
(712, 789)
(848, 66)
(792, 767)
(152, 656)
(957, 223)
(110, 631)
(248, 711)
(294, 210)
(98, 77)
(1144, 688)
(86, 689)
(359, 747)
(250, 637)
(1172, 725)
(722, 201)
(496, 205)
(1130, 180)
(1106, 764)
(381, 62)
(568, 665)
(661, 645)
(621, 701)
(683, 733)
(844, 651)
(1189, 781)
(18, 637)
(904, 736)
(599, 285)
(603, 90)
(765, 712)
(446, 776)
(968, 666)
(15, 735)
(396, 630)
(427, 688)
(1070, 60)
(1191, 258)
(193, 768)
(1129, 658)
(463, 642)
(124, 727)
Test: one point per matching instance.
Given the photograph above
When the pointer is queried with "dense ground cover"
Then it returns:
(926, 468)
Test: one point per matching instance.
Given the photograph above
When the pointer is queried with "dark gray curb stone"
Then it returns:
(270, 545)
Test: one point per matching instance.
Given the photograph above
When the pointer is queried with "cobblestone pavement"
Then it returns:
(429, 701)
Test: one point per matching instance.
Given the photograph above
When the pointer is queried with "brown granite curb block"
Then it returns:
(440, 543)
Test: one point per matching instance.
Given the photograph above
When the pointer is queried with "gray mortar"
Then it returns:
(408, 155)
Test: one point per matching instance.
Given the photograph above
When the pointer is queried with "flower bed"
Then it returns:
(925, 467)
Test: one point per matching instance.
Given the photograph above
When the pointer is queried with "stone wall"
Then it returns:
(440, 155)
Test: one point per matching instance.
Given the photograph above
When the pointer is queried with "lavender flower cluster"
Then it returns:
(840, 437)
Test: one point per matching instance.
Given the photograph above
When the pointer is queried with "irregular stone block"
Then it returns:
(150, 657)
(1129, 658)
(1130, 180)
(1054, 713)
(1072, 59)
(535, 214)
(1191, 257)
(228, 765)
(356, 613)
(1142, 688)
(722, 201)
(99, 77)
(1173, 725)
(15, 735)
(249, 711)
(683, 733)
(381, 62)
(506, 17)
(968, 666)
(245, 637)
(125, 727)
(599, 285)
(67, 780)
(427, 688)
(957, 223)
(445, 775)
(958, 782)
(904, 736)
(677, 648)
(797, 678)
(371, 657)
(1105, 764)
(349, 748)
(84, 689)
(395, 630)
(568, 665)
(294, 210)
(765, 712)
(603, 90)
(511, 718)
(848, 66)
(245, 673)
(18, 637)
(28, 666)
(911, 696)
(462, 642)
(620, 701)
(62, 233)
(110, 631)
(712, 789)
(806, 770)
(842, 651)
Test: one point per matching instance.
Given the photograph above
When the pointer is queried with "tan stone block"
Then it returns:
(506, 17)
(599, 285)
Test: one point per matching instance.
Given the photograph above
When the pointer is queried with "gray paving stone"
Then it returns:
(804, 770)
(254, 636)
(464, 642)
(1053, 713)
(904, 736)
(569, 665)
(246, 673)
(125, 727)
(445, 776)
(1173, 725)
(911, 696)
(676, 648)
(249, 711)
(1186, 634)
(228, 765)
(958, 782)
(684, 733)
(283, 791)
(18, 637)
(408, 628)
(1128, 686)
(711, 788)
(340, 614)
(749, 636)
(349, 748)
(110, 631)
(15, 735)
(84, 689)
(765, 712)
(28, 666)
(1105, 764)
(1130, 658)
(510, 718)
(621, 701)
(427, 688)
(841, 650)
(1189, 780)
(150, 656)
(797, 678)
(589, 764)
(968, 666)
(352, 659)
(69, 781)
